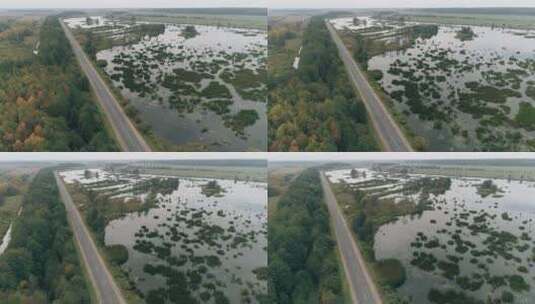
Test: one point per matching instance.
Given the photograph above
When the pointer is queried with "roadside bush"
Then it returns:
(118, 254)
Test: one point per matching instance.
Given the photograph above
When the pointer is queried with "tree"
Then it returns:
(302, 259)
(41, 258)
(89, 45)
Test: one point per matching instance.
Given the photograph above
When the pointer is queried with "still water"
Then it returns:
(512, 210)
(230, 227)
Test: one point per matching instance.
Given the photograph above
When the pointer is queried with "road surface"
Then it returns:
(390, 136)
(361, 285)
(127, 135)
(101, 279)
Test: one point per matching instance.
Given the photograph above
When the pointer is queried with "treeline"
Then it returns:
(93, 42)
(316, 109)
(530, 11)
(303, 264)
(46, 102)
(365, 47)
(431, 185)
(163, 186)
(373, 211)
(100, 209)
(41, 264)
(252, 11)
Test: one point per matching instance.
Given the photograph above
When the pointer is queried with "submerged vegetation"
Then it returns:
(452, 240)
(183, 234)
(189, 31)
(212, 188)
(465, 34)
(368, 210)
(443, 87)
(207, 82)
(488, 188)
(303, 263)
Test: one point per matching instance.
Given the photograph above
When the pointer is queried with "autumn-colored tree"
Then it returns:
(45, 101)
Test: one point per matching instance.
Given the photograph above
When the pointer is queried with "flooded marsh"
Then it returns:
(203, 241)
(191, 85)
(471, 241)
(459, 88)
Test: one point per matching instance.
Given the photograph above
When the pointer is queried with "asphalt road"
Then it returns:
(101, 279)
(362, 287)
(390, 136)
(127, 135)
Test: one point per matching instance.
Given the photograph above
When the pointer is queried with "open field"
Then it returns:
(286, 34)
(12, 47)
(241, 21)
(520, 18)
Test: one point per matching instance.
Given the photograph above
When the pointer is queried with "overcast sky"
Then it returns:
(77, 156)
(325, 156)
(394, 3)
(9, 4)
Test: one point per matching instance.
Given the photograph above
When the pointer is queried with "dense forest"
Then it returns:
(303, 264)
(45, 101)
(41, 264)
(315, 108)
